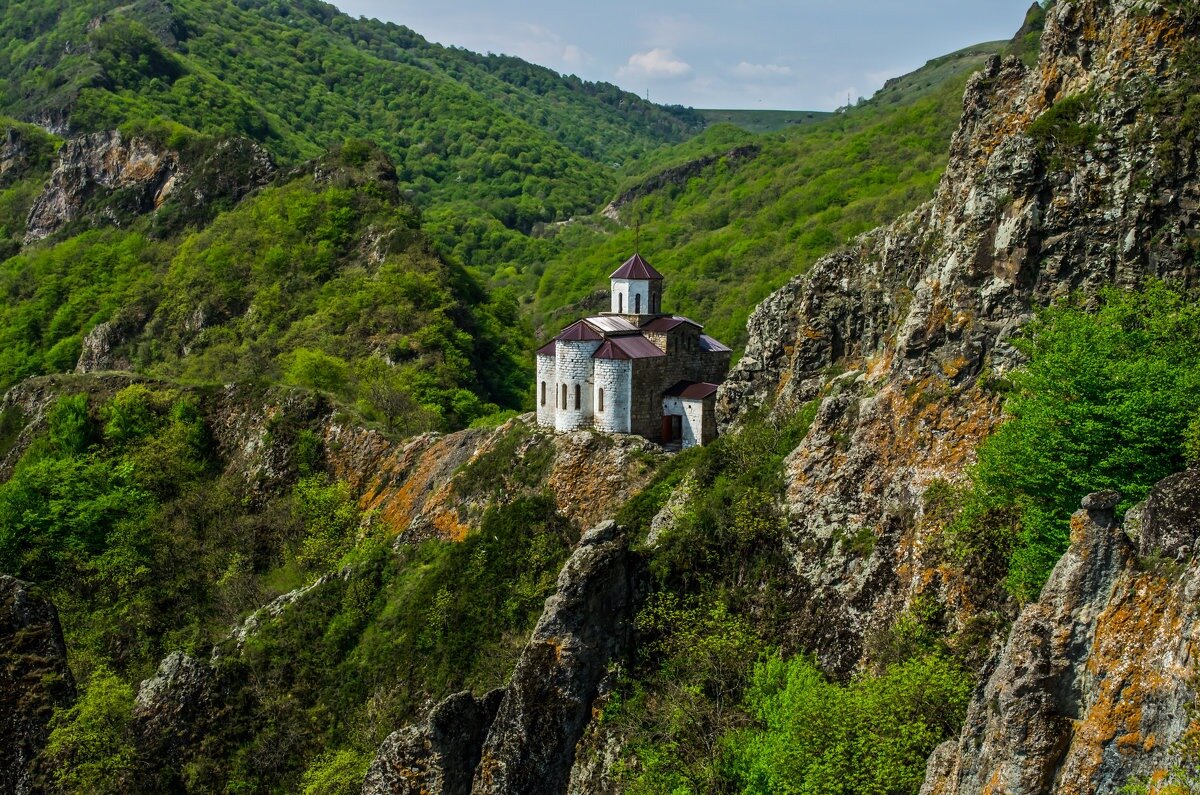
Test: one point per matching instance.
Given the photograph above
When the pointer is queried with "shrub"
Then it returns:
(870, 736)
(1105, 402)
(90, 743)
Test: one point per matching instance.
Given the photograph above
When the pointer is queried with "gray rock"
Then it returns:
(438, 756)
(586, 624)
(1092, 688)
(1169, 520)
(34, 680)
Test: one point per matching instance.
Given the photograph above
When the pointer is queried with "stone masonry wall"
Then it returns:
(547, 382)
(645, 414)
(613, 376)
(574, 365)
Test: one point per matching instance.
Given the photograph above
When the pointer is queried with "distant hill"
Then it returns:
(730, 215)
(936, 73)
(761, 121)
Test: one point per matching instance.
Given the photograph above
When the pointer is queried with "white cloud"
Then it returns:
(657, 63)
(760, 71)
(543, 46)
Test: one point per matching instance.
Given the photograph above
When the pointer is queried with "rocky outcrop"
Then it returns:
(433, 486)
(107, 178)
(438, 755)
(34, 680)
(522, 739)
(100, 165)
(899, 335)
(586, 625)
(1092, 688)
(1168, 522)
(173, 707)
(678, 175)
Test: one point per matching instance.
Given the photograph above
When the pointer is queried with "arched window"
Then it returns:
(600, 400)
(637, 304)
(620, 303)
(564, 396)
(543, 393)
(578, 393)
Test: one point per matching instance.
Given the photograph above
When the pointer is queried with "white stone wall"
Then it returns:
(546, 374)
(629, 289)
(574, 367)
(614, 376)
(692, 412)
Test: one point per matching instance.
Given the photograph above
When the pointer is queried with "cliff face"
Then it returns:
(108, 178)
(1092, 688)
(522, 739)
(1062, 177)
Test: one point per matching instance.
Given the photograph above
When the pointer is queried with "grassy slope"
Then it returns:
(727, 239)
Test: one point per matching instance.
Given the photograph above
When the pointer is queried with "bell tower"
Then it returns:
(636, 288)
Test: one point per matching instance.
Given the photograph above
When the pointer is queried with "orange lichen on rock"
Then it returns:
(1141, 655)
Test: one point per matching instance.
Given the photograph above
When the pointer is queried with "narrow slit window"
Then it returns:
(564, 396)
(637, 304)
(543, 393)
(620, 303)
(600, 400)
(578, 397)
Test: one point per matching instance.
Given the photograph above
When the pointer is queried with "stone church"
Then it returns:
(633, 369)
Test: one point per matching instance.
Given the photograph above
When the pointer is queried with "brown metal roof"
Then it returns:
(548, 349)
(636, 268)
(663, 324)
(579, 330)
(707, 343)
(691, 390)
(635, 347)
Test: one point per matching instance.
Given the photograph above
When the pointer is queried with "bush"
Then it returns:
(1105, 402)
(871, 736)
(90, 743)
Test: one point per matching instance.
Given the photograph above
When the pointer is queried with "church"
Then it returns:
(633, 369)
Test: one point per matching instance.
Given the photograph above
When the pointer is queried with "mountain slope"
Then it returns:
(302, 77)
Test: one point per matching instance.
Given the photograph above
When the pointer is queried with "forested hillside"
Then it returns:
(271, 519)
(299, 77)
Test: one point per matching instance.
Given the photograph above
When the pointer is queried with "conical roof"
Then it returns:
(636, 268)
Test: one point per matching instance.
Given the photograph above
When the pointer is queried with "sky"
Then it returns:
(798, 55)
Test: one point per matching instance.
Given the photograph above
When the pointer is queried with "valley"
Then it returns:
(276, 513)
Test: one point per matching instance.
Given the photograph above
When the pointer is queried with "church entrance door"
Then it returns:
(672, 428)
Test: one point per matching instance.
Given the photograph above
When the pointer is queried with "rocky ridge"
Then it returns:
(522, 739)
(109, 178)
(899, 335)
(1093, 686)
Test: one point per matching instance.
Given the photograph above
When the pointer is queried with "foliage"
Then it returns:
(870, 736)
(366, 652)
(493, 130)
(1059, 134)
(1105, 402)
(90, 744)
(336, 773)
(729, 237)
(717, 576)
(330, 518)
(276, 290)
